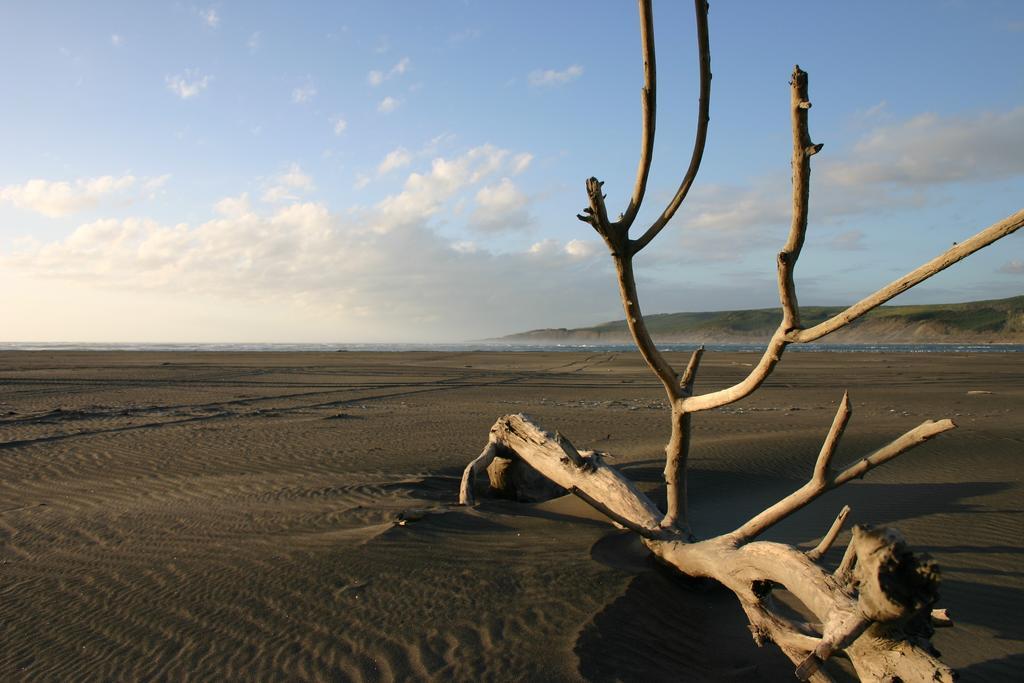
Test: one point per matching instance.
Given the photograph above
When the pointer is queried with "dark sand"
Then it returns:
(231, 516)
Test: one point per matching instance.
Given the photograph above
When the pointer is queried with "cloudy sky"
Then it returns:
(411, 171)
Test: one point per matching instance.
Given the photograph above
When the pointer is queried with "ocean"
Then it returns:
(462, 347)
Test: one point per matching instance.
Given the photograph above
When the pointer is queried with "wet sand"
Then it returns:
(232, 516)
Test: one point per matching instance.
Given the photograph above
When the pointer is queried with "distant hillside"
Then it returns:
(999, 321)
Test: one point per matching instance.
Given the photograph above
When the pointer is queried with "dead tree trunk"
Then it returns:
(877, 606)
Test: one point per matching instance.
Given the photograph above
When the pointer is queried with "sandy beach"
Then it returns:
(235, 516)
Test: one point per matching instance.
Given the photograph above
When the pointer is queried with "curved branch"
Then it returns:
(715, 399)
(648, 98)
(789, 331)
(803, 150)
(820, 484)
(884, 651)
(830, 537)
(703, 117)
(638, 329)
(996, 231)
(473, 469)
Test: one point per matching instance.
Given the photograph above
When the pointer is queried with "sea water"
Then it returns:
(461, 347)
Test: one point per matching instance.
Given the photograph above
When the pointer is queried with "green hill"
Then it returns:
(997, 321)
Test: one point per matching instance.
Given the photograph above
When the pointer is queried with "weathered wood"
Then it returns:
(515, 479)
(586, 475)
(877, 637)
(466, 494)
(830, 537)
(703, 119)
(877, 607)
(821, 481)
(883, 584)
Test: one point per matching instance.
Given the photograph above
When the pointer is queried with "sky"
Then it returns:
(411, 171)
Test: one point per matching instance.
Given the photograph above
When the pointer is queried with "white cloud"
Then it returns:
(521, 162)
(892, 167)
(1014, 267)
(465, 247)
(304, 93)
(850, 240)
(302, 257)
(189, 84)
(153, 185)
(362, 180)
(376, 77)
(582, 249)
(60, 198)
(396, 158)
(116, 40)
(465, 35)
(233, 206)
(875, 110)
(545, 247)
(210, 17)
(400, 68)
(388, 105)
(576, 250)
(423, 193)
(288, 185)
(929, 149)
(549, 77)
(340, 125)
(500, 207)
(255, 40)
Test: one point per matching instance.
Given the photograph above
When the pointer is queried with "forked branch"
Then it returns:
(701, 136)
(649, 107)
(615, 233)
(789, 330)
(822, 479)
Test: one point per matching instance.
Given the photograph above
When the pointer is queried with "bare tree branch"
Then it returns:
(869, 606)
(690, 373)
(822, 467)
(940, 618)
(819, 483)
(473, 469)
(638, 329)
(648, 99)
(829, 538)
(803, 149)
(677, 452)
(996, 231)
(839, 631)
(716, 399)
(915, 437)
(703, 118)
(590, 478)
(845, 569)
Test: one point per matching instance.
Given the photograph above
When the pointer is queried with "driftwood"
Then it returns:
(877, 607)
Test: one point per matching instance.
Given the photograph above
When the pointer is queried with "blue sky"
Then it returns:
(411, 171)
